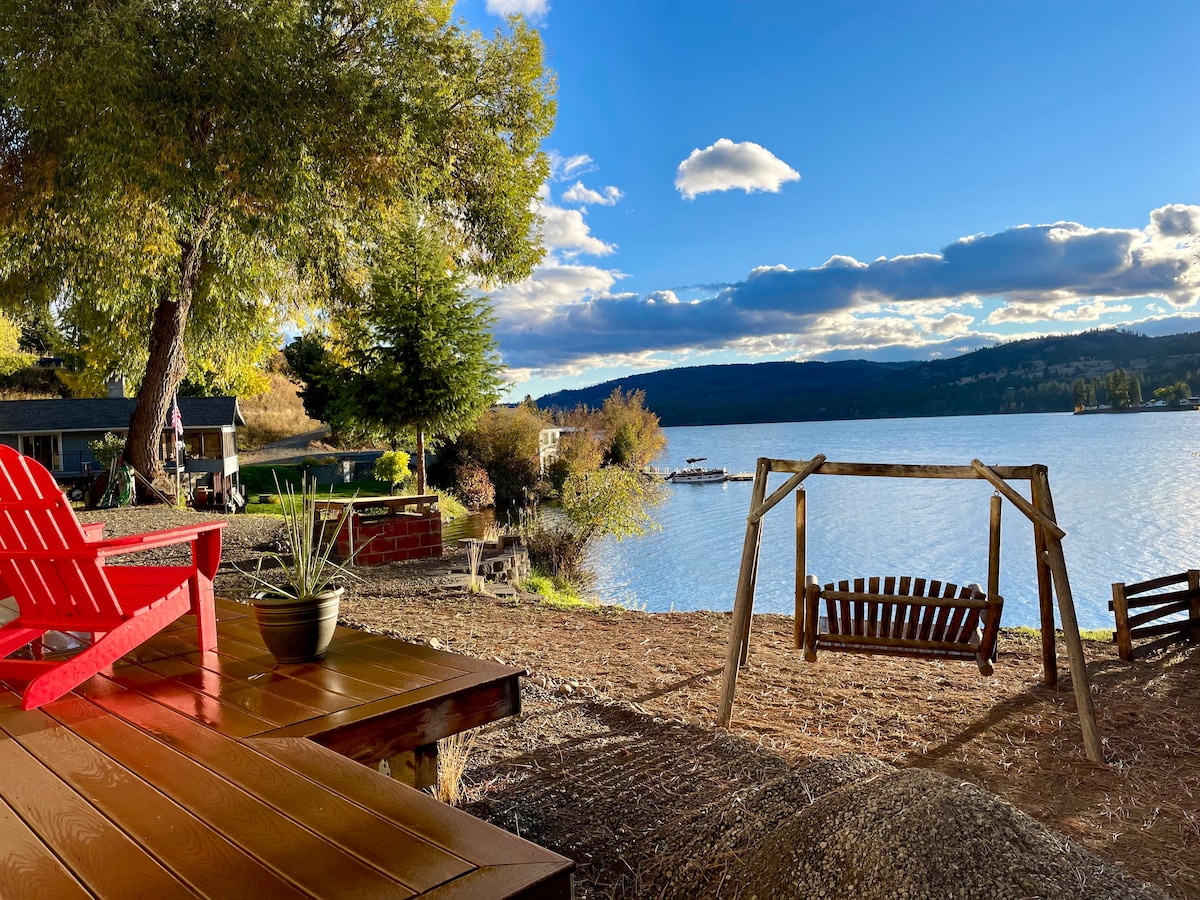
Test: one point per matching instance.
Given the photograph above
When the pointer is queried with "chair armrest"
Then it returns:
(154, 539)
(991, 627)
(93, 531)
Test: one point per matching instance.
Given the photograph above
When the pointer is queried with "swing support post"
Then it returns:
(1051, 564)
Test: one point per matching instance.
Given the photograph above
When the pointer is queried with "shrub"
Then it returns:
(319, 461)
(612, 500)
(556, 549)
(107, 450)
(392, 468)
(474, 486)
(505, 442)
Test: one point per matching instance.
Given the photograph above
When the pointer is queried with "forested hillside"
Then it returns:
(1023, 376)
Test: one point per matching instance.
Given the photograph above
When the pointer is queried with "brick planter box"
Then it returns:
(395, 535)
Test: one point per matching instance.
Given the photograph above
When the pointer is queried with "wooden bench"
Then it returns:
(1156, 603)
(902, 616)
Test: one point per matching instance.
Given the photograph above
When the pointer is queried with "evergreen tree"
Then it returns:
(421, 346)
(1079, 393)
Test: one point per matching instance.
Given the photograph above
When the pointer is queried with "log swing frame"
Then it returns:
(1051, 565)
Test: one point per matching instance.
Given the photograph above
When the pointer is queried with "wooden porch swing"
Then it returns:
(907, 616)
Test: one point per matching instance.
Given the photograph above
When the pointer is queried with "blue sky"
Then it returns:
(750, 181)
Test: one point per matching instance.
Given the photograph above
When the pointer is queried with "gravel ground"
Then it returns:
(838, 779)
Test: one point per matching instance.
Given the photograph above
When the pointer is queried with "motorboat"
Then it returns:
(697, 474)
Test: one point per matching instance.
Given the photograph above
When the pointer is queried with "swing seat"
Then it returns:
(902, 616)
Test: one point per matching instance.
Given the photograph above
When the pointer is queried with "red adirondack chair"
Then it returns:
(56, 573)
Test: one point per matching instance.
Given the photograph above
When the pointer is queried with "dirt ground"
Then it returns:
(616, 753)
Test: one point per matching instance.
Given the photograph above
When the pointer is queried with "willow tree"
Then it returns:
(419, 341)
(186, 176)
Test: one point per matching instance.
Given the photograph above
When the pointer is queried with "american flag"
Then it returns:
(176, 418)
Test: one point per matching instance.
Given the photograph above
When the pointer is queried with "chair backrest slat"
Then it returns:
(54, 586)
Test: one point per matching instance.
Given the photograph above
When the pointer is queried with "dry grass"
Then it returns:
(474, 557)
(274, 415)
(454, 753)
(19, 394)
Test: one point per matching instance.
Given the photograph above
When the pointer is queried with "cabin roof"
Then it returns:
(110, 414)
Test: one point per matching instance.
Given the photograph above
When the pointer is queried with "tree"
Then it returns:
(1116, 386)
(505, 442)
(420, 343)
(12, 357)
(612, 500)
(634, 437)
(579, 452)
(1079, 394)
(186, 176)
(392, 467)
(327, 394)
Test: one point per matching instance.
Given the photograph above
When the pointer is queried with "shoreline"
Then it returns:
(1092, 411)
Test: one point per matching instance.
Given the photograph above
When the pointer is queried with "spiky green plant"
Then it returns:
(308, 569)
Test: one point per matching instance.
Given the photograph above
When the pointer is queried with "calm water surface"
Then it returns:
(1125, 490)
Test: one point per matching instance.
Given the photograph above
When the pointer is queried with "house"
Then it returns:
(549, 443)
(57, 432)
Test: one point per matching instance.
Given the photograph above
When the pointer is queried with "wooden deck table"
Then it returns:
(224, 775)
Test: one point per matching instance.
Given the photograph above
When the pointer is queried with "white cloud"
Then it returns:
(552, 288)
(949, 325)
(645, 361)
(531, 9)
(662, 297)
(564, 167)
(1176, 220)
(1053, 311)
(726, 166)
(565, 230)
(578, 193)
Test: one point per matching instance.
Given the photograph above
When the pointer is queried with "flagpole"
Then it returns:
(177, 429)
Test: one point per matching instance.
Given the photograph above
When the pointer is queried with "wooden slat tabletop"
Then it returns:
(188, 774)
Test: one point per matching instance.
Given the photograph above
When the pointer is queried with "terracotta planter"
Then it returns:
(297, 631)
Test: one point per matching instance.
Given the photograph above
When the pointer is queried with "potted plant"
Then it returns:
(297, 613)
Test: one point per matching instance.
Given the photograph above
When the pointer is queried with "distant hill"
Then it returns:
(1022, 376)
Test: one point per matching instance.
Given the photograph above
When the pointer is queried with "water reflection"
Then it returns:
(475, 525)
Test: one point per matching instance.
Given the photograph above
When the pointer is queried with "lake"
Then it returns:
(1125, 490)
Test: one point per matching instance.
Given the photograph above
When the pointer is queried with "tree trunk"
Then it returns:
(420, 460)
(165, 369)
